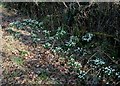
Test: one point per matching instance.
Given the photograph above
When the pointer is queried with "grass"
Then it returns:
(18, 60)
(24, 53)
(2, 5)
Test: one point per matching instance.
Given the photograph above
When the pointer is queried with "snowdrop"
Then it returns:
(81, 74)
(87, 37)
(47, 45)
(108, 70)
(98, 62)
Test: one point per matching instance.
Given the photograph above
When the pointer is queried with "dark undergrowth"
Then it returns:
(84, 36)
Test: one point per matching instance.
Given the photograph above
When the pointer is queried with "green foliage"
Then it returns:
(60, 33)
(73, 63)
(18, 60)
(43, 74)
(69, 46)
(23, 53)
(47, 45)
(2, 5)
(79, 37)
(14, 33)
(33, 24)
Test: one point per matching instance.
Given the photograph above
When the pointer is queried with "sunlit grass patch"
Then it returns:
(24, 53)
(17, 60)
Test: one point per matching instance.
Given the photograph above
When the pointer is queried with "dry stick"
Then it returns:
(106, 35)
(53, 44)
(98, 72)
(92, 56)
(116, 39)
(52, 23)
(117, 83)
(65, 5)
(110, 58)
(36, 2)
(115, 43)
(89, 70)
(78, 3)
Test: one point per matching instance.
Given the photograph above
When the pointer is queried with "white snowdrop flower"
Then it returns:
(72, 59)
(12, 23)
(87, 37)
(113, 70)
(119, 76)
(113, 57)
(116, 73)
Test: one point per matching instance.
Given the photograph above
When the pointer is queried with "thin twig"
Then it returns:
(53, 44)
(36, 2)
(65, 5)
(78, 3)
(116, 39)
(110, 58)
(117, 83)
(98, 72)
(92, 57)
(89, 70)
